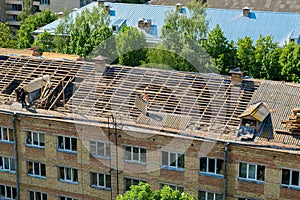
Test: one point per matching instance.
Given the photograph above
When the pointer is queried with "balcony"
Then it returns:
(19, 2)
(13, 12)
(13, 23)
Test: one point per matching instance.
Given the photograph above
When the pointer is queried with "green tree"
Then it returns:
(182, 35)
(245, 53)
(222, 52)
(31, 23)
(143, 191)
(130, 45)
(264, 64)
(290, 62)
(6, 37)
(27, 9)
(44, 42)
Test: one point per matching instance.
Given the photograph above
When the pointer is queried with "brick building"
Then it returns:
(11, 9)
(89, 135)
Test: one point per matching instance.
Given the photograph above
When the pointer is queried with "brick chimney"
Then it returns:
(100, 64)
(236, 76)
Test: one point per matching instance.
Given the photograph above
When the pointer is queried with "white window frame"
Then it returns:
(7, 190)
(177, 156)
(131, 159)
(30, 141)
(173, 186)
(10, 160)
(207, 165)
(72, 173)
(63, 148)
(106, 149)
(131, 182)
(207, 193)
(106, 177)
(43, 196)
(7, 134)
(66, 198)
(291, 178)
(247, 172)
(45, 2)
(34, 173)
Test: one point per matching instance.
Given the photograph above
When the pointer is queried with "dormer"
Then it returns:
(141, 22)
(246, 11)
(251, 120)
(117, 25)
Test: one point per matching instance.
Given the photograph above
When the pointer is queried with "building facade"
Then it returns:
(91, 137)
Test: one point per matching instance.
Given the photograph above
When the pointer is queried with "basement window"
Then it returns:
(290, 178)
(33, 195)
(211, 166)
(6, 134)
(251, 172)
(100, 181)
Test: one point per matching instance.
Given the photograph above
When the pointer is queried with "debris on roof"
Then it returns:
(52, 55)
(19, 52)
(293, 123)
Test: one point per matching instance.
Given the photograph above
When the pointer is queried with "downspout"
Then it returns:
(225, 171)
(16, 153)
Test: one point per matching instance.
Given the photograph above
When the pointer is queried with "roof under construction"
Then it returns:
(190, 103)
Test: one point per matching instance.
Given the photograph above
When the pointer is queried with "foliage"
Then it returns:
(144, 191)
(82, 35)
(130, 45)
(290, 62)
(181, 36)
(31, 23)
(44, 42)
(245, 54)
(222, 52)
(27, 9)
(6, 37)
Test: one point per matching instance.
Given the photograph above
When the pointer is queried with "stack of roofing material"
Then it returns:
(293, 123)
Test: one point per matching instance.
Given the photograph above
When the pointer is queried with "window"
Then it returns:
(135, 154)
(35, 139)
(290, 177)
(68, 174)
(130, 181)
(7, 164)
(14, 17)
(252, 171)
(45, 2)
(36, 169)
(36, 195)
(67, 143)
(17, 7)
(204, 195)
(174, 187)
(7, 192)
(211, 165)
(100, 180)
(6, 134)
(66, 198)
(172, 160)
(100, 149)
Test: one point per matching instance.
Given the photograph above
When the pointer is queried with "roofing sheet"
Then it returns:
(234, 25)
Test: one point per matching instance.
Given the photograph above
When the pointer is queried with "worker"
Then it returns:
(145, 98)
(23, 97)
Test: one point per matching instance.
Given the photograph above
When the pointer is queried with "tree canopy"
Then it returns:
(6, 37)
(31, 23)
(144, 191)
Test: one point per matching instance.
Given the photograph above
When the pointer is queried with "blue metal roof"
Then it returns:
(281, 25)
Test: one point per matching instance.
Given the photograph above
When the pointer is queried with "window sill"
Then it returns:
(70, 182)
(35, 146)
(293, 187)
(6, 141)
(135, 162)
(7, 171)
(252, 181)
(101, 157)
(36, 176)
(66, 151)
(172, 168)
(100, 188)
(211, 174)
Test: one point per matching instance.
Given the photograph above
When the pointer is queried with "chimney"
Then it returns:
(178, 7)
(246, 11)
(100, 64)
(101, 2)
(141, 23)
(236, 76)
